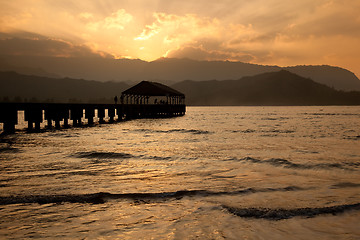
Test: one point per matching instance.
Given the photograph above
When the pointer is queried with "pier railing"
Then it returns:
(60, 114)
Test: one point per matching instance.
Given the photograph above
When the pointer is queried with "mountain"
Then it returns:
(335, 77)
(274, 88)
(18, 87)
(167, 70)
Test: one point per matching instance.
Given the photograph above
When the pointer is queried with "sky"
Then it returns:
(271, 32)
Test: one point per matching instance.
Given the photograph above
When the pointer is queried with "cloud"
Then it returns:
(258, 31)
(173, 27)
(86, 16)
(199, 52)
(116, 21)
(41, 46)
(196, 37)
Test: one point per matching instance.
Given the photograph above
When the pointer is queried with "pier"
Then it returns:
(144, 100)
(59, 115)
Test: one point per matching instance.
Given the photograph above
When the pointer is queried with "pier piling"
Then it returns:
(89, 115)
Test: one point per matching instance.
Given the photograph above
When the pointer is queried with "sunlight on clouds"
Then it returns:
(11, 22)
(201, 38)
(259, 31)
(173, 27)
(118, 20)
(148, 32)
(86, 15)
(173, 31)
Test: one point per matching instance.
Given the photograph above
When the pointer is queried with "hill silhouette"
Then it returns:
(166, 70)
(274, 88)
(19, 87)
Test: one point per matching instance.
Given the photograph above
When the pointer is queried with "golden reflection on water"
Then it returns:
(241, 157)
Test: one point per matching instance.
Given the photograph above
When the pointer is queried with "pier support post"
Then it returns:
(76, 115)
(49, 123)
(50, 115)
(66, 122)
(37, 126)
(9, 127)
(57, 123)
(33, 114)
(64, 115)
(90, 114)
(30, 125)
(111, 114)
(9, 116)
(119, 110)
(101, 114)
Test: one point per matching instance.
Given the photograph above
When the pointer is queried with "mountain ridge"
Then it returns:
(271, 88)
(169, 70)
(37, 88)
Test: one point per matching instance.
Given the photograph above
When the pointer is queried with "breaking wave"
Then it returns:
(114, 155)
(102, 197)
(192, 131)
(278, 162)
(352, 137)
(345, 185)
(102, 155)
(9, 150)
(332, 114)
(264, 131)
(280, 214)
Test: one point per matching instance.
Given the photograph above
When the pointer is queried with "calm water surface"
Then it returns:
(215, 173)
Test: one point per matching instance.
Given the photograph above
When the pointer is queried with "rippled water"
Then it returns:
(215, 173)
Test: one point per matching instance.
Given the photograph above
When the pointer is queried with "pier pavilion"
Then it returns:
(140, 101)
(144, 91)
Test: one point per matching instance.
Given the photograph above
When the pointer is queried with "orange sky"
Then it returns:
(272, 32)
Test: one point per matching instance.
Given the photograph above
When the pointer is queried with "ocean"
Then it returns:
(215, 173)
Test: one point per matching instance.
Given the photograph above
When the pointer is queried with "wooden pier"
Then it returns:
(58, 115)
(134, 104)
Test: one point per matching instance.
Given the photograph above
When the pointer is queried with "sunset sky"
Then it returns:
(276, 32)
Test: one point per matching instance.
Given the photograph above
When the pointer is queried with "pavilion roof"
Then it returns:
(146, 88)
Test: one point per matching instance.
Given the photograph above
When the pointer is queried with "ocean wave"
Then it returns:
(345, 185)
(333, 114)
(59, 174)
(278, 162)
(352, 137)
(192, 131)
(279, 131)
(102, 155)
(6, 145)
(285, 131)
(244, 131)
(280, 214)
(158, 158)
(269, 119)
(9, 150)
(102, 197)
(115, 155)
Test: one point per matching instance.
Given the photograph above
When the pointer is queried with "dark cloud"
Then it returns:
(38, 45)
(331, 25)
(199, 53)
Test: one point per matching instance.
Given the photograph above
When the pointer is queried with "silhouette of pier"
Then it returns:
(58, 115)
(134, 104)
